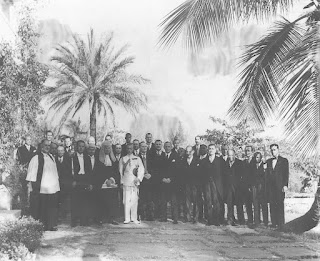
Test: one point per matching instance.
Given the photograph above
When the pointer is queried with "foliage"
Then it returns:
(200, 22)
(22, 78)
(93, 75)
(18, 237)
(178, 133)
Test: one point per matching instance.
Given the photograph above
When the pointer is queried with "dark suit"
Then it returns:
(259, 186)
(124, 149)
(278, 178)
(168, 191)
(234, 178)
(192, 181)
(245, 186)
(146, 205)
(196, 151)
(81, 197)
(152, 148)
(65, 180)
(24, 155)
(213, 189)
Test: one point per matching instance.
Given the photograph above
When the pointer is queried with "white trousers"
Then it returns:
(130, 201)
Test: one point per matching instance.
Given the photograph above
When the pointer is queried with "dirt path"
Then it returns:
(165, 241)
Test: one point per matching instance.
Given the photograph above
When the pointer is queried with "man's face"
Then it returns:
(67, 142)
(60, 151)
(143, 148)
(197, 140)
(118, 149)
(46, 146)
(135, 145)
(203, 150)
(158, 145)
(167, 147)
(92, 141)
(28, 140)
(91, 151)
(212, 150)
(81, 147)
(176, 144)
(189, 152)
(128, 138)
(107, 150)
(231, 155)
(274, 151)
(224, 151)
(49, 136)
(248, 152)
(258, 158)
(129, 149)
(149, 138)
(108, 138)
(53, 149)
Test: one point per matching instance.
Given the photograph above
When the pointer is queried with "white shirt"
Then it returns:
(118, 157)
(136, 152)
(225, 157)
(211, 158)
(50, 178)
(27, 146)
(189, 160)
(92, 161)
(274, 162)
(168, 155)
(60, 159)
(202, 156)
(107, 161)
(126, 174)
(81, 163)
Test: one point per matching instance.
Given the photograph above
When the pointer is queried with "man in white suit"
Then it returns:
(131, 174)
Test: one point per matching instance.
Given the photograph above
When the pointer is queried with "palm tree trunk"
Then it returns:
(308, 220)
(93, 119)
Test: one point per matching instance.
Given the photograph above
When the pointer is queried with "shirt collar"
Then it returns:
(80, 155)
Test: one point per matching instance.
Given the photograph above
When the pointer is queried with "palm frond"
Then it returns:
(258, 93)
(200, 22)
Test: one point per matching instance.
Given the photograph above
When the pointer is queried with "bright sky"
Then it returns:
(191, 90)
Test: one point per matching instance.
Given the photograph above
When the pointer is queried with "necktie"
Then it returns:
(60, 159)
(167, 156)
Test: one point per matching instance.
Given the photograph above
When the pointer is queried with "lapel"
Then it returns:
(278, 163)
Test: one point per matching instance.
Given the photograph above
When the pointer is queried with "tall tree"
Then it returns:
(94, 77)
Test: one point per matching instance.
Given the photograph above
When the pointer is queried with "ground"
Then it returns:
(166, 241)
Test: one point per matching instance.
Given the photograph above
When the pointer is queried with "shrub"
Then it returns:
(18, 237)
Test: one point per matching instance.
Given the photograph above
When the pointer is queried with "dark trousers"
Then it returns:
(193, 195)
(260, 203)
(44, 207)
(277, 207)
(248, 203)
(112, 200)
(212, 202)
(64, 204)
(146, 205)
(168, 194)
(81, 206)
(233, 199)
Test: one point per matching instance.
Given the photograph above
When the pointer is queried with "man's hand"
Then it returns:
(168, 180)
(74, 184)
(136, 181)
(285, 189)
(164, 180)
(147, 176)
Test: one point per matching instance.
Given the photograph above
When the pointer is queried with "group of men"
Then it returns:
(198, 181)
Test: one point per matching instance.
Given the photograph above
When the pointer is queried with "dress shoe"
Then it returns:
(126, 222)
(137, 222)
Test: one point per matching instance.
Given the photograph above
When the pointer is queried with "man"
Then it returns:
(246, 183)
(196, 147)
(168, 190)
(211, 171)
(202, 207)
(146, 204)
(131, 175)
(234, 177)
(128, 141)
(278, 173)
(190, 172)
(203, 151)
(151, 146)
(92, 143)
(136, 146)
(224, 152)
(176, 145)
(26, 152)
(109, 138)
(157, 158)
(64, 168)
(68, 145)
(43, 175)
(81, 207)
(48, 136)
(53, 149)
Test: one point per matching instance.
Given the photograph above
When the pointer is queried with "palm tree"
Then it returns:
(281, 71)
(93, 76)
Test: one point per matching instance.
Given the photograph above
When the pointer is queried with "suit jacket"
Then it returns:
(156, 166)
(213, 172)
(279, 176)
(65, 172)
(116, 171)
(147, 168)
(196, 154)
(83, 180)
(124, 149)
(24, 155)
(190, 173)
(234, 179)
(152, 149)
(258, 177)
(170, 167)
(247, 170)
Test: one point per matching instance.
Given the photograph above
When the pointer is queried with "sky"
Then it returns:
(182, 86)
